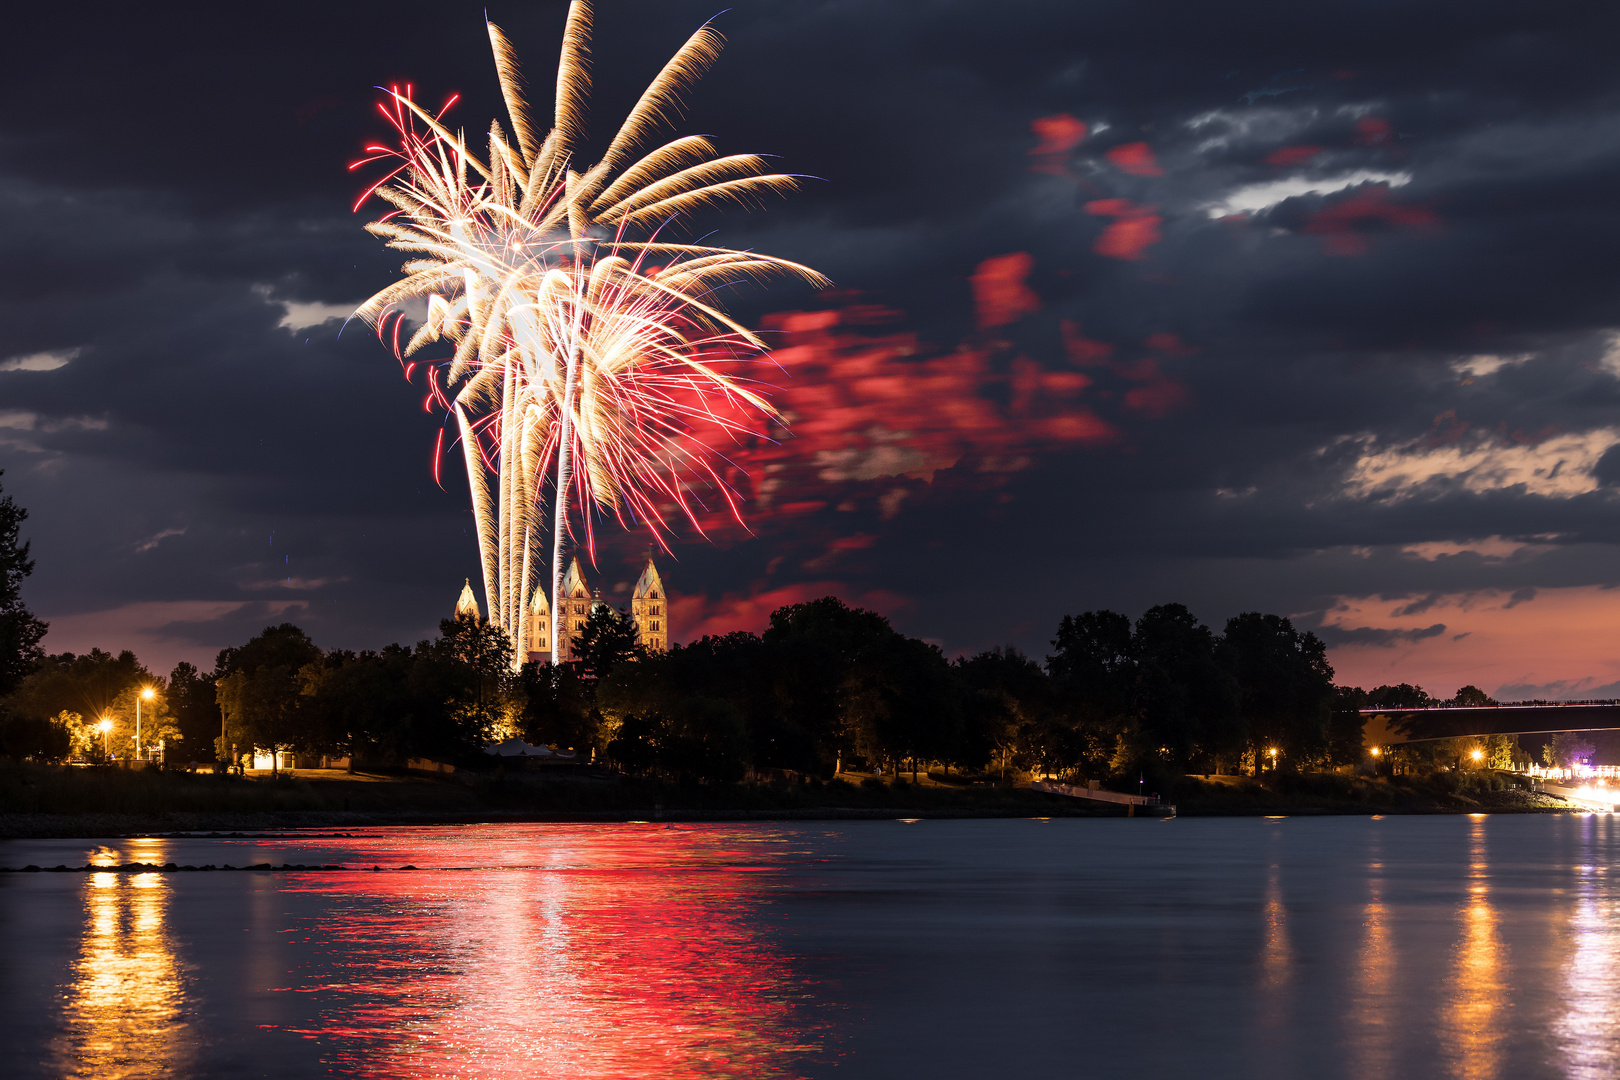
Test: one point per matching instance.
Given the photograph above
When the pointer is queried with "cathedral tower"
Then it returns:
(537, 629)
(576, 608)
(647, 610)
(467, 605)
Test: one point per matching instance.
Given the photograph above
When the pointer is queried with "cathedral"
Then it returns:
(647, 602)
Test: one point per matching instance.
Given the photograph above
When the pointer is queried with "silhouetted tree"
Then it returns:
(607, 640)
(1399, 696)
(1472, 695)
(558, 706)
(466, 672)
(1346, 745)
(903, 703)
(259, 687)
(813, 649)
(20, 630)
(1284, 683)
(1094, 678)
(1184, 703)
(1005, 694)
(195, 704)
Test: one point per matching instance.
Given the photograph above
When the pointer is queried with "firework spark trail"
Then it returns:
(573, 360)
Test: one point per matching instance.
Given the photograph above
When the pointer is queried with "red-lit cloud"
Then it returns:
(1292, 155)
(1134, 230)
(699, 616)
(1000, 295)
(1373, 131)
(1058, 134)
(1339, 225)
(1135, 158)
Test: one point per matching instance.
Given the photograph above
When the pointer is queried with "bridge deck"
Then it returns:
(1393, 727)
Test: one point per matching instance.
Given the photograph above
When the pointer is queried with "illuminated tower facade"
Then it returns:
(570, 621)
(537, 629)
(467, 604)
(648, 603)
(647, 610)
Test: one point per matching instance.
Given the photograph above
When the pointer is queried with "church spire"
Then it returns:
(467, 606)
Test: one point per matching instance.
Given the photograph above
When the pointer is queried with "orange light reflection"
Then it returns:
(1471, 1026)
(125, 1007)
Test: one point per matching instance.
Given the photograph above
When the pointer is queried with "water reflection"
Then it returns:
(597, 965)
(1472, 1022)
(1589, 1029)
(1370, 1019)
(124, 1007)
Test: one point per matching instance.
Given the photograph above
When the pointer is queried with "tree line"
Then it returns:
(825, 688)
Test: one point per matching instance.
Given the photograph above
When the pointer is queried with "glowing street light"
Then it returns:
(145, 693)
(1477, 754)
(1273, 753)
(105, 726)
(1375, 751)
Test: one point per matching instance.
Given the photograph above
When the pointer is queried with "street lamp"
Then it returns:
(147, 694)
(1477, 754)
(1273, 753)
(106, 726)
(1375, 751)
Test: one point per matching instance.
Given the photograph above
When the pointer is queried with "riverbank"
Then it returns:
(42, 801)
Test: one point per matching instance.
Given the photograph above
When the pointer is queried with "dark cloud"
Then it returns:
(1367, 635)
(1252, 308)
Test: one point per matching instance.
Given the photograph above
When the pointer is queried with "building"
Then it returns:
(647, 610)
(647, 602)
(467, 605)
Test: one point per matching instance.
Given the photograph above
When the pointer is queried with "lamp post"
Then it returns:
(1273, 752)
(106, 726)
(147, 694)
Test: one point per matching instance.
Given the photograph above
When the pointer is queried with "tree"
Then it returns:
(813, 648)
(557, 706)
(903, 703)
(259, 688)
(195, 703)
(1347, 726)
(362, 706)
(607, 640)
(1284, 684)
(1094, 674)
(1184, 703)
(42, 739)
(89, 684)
(1472, 696)
(1007, 694)
(20, 631)
(1566, 749)
(155, 723)
(1399, 696)
(465, 678)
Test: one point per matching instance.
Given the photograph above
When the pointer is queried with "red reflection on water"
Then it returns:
(583, 952)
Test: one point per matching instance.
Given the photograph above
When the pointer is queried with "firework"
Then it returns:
(577, 362)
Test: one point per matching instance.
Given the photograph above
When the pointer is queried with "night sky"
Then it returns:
(1307, 309)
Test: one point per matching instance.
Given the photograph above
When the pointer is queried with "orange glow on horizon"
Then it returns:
(1558, 640)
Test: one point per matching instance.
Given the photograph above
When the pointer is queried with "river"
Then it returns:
(1471, 947)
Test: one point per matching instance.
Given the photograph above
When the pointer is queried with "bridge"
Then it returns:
(1396, 727)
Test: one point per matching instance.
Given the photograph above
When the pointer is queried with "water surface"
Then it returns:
(1469, 947)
